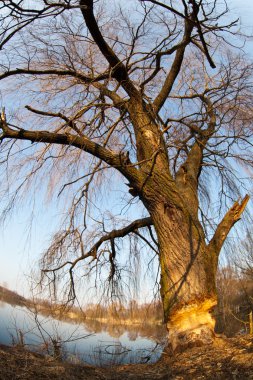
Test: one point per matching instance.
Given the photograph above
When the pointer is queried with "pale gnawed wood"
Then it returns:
(192, 325)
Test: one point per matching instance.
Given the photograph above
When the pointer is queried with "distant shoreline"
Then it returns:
(11, 297)
(74, 315)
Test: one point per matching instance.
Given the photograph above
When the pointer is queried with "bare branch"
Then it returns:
(175, 68)
(111, 236)
(111, 158)
(68, 73)
(119, 71)
(224, 227)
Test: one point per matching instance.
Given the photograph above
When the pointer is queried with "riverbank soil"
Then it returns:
(225, 359)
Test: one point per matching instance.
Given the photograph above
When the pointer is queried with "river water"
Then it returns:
(92, 343)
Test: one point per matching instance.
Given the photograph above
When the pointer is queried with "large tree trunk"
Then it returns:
(188, 272)
(188, 268)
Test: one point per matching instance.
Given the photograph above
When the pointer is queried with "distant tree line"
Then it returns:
(11, 297)
(235, 289)
(132, 311)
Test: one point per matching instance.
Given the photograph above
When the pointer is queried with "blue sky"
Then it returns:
(20, 247)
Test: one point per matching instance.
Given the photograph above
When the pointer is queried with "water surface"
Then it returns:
(92, 342)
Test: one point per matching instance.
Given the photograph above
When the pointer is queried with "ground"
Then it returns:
(225, 359)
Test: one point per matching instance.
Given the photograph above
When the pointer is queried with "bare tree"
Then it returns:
(245, 260)
(147, 93)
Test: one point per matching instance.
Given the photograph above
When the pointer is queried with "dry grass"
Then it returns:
(226, 359)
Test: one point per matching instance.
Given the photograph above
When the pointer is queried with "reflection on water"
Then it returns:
(92, 342)
(154, 332)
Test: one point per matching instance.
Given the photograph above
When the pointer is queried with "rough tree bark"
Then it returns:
(188, 272)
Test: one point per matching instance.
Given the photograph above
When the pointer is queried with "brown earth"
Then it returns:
(225, 359)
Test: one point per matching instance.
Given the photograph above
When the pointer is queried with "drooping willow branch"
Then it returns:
(94, 250)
